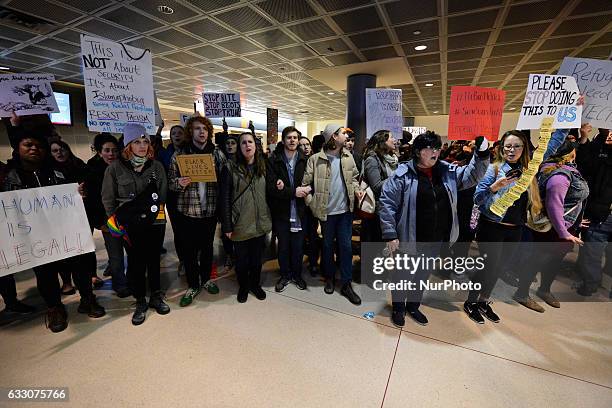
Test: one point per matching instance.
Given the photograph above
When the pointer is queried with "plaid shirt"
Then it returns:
(188, 199)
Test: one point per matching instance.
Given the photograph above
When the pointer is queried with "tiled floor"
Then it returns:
(308, 349)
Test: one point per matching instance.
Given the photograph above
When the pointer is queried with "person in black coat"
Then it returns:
(286, 198)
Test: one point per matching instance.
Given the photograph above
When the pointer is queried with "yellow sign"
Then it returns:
(501, 205)
(200, 167)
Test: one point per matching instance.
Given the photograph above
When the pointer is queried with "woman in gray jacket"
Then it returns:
(124, 180)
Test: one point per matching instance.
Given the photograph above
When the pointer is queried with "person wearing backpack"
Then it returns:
(379, 163)
(564, 192)
(245, 215)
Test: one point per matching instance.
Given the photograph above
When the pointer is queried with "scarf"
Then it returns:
(294, 220)
(390, 161)
(138, 161)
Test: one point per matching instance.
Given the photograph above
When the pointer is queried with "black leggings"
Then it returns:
(490, 237)
(143, 259)
(249, 261)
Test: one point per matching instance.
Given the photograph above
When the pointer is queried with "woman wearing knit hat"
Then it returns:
(124, 182)
(332, 174)
(564, 192)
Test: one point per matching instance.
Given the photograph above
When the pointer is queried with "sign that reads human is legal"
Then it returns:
(118, 85)
(222, 105)
(550, 95)
(42, 225)
(594, 78)
(475, 111)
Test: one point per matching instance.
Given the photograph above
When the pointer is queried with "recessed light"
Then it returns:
(165, 9)
(512, 108)
(420, 47)
(416, 32)
(330, 93)
(4, 68)
(435, 111)
(429, 84)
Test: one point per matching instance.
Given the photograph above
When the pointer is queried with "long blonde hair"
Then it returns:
(533, 192)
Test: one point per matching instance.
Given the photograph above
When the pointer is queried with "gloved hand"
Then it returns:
(482, 143)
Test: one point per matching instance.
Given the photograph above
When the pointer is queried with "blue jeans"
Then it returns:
(596, 240)
(114, 249)
(340, 228)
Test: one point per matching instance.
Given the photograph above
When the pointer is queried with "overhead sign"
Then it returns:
(594, 78)
(553, 96)
(42, 225)
(221, 105)
(475, 111)
(118, 85)
(272, 125)
(26, 94)
(384, 111)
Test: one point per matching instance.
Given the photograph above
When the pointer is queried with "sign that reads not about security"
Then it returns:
(594, 78)
(550, 96)
(221, 105)
(475, 111)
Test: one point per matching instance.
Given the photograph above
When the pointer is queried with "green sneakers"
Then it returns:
(211, 287)
(188, 297)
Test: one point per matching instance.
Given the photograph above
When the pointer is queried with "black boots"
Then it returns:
(347, 292)
(57, 319)
(91, 307)
(157, 302)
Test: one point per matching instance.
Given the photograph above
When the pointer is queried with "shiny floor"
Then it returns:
(309, 349)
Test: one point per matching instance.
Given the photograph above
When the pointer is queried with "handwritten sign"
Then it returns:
(475, 111)
(184, 117)
(200, 167)
(42, 225)
(415, 130)
(26, 94)
(384, 111)
(221, 105)
(118, 85)
(553, 96)
(272, 125)
(594, 78)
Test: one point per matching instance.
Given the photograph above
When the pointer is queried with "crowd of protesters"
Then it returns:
(304, 192)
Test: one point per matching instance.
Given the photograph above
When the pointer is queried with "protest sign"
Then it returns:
(42, 225)
(26, 94)
(384, 111)
(553, 96)
(221, 105)
(272, 125)
(415, 130)
(200, 167)
(184, 117)
(118, 85)
(594, 78)
(475, 111)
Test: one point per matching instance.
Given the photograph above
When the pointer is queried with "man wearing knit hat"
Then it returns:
(332, 175)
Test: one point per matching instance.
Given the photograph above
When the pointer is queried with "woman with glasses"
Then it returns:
(512, 159)
(418, 204)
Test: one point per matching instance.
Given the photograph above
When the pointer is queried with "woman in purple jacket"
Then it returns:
(564, 192)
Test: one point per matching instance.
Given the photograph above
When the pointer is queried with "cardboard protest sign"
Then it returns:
(475, 111)
(272, 125)
(384, 111)
(118, 85)
(553, 96)
(26, 94)
(200, 167)
(42, 225)
(594, 79)
(221, 105)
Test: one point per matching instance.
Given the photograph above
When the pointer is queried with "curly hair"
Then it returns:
(203, 120)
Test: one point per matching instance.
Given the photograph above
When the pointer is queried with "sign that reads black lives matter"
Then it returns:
(221, 105)
(118, 85)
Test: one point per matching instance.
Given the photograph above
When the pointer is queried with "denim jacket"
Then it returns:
(484, 197)
(399, 196)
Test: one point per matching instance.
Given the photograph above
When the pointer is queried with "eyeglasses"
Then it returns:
(58, 150)
(511, 147)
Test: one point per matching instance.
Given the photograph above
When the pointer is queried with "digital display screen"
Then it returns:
(64, 116)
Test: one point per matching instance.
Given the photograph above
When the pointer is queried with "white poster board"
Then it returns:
(118, 85)
(384, 111)
(415, 130)
(42, 225)
(550, 95)
(26, 94)
(221, 105)
(184, 117)
(594, 78)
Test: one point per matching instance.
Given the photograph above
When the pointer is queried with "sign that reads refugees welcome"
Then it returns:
(594, 78)
(550, 96)
(42, 225)
(475, 111)
(26, 94)
(118, 85)
(221, 105)
(384, 111)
